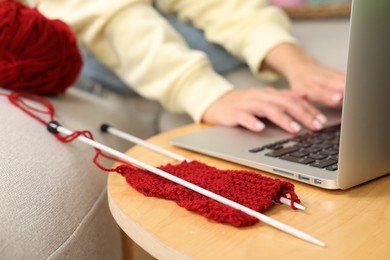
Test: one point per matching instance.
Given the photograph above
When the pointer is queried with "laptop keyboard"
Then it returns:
(317, 149)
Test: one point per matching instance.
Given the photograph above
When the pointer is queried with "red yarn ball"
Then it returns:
(37, 55)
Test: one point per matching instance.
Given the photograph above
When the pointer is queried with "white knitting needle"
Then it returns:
(105, 128)
(53, 126)
(119, 133)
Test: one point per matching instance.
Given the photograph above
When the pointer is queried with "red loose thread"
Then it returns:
(40, 56)
(37, 55)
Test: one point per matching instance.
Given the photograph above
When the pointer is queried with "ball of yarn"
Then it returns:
(37, 55)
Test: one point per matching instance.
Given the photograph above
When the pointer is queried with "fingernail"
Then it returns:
(295, 126)
(322, 118)
(317, 124)
(337, 98)
(259, 126)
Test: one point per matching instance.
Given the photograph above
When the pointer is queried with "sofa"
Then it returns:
(53, 203)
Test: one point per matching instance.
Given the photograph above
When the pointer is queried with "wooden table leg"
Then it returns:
(132, 251)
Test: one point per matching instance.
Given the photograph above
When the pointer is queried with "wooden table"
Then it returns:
(355, 224)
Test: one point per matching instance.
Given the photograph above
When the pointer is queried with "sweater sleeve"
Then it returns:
(249, 29)
(132, 39)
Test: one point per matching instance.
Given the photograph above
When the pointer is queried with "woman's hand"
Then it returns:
(305, 75)
(285, 108)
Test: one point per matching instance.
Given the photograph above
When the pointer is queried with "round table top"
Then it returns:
(355, 224)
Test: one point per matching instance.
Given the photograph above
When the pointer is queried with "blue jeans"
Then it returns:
(222, 61)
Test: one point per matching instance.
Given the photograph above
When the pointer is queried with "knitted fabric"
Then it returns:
(244, 187)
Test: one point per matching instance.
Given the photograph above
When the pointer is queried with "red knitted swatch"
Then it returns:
(244, 187)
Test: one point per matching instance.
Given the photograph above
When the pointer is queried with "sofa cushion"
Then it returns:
(53, 202)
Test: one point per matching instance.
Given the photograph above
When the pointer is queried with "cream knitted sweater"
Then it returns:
(132, 39)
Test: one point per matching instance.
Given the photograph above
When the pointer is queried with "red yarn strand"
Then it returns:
(17, 99)
(22, 100)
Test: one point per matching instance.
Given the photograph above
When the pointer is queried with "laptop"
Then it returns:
(355, 145)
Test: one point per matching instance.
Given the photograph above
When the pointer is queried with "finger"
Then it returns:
(305, 113)
(332, 80)
(333, 84)
(325, 96)
(286, 101)
(250, 121)
(281, 118)
(301, 110)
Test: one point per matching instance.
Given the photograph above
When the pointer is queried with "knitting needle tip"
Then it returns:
(287, 202)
